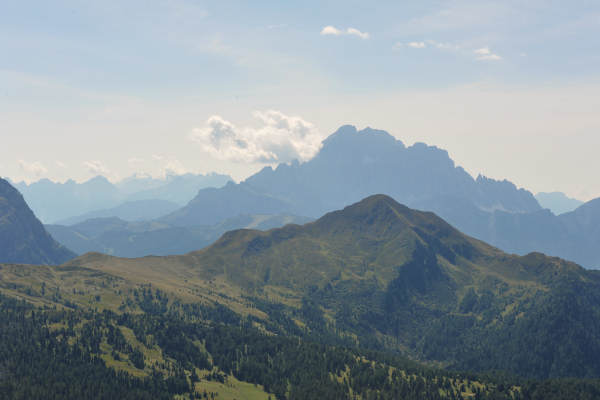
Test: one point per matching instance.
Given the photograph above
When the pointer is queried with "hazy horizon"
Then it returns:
(510, 90)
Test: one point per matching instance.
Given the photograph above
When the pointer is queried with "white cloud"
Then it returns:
(416, 45)
(280, 138)
(173, 167)
(96, 167)
(35, 168)
(161, 165)
(426, 43)
(356, 32)
(61, 164)
(485, 53)
(332, 30)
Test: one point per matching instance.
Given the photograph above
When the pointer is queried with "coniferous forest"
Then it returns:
(67, 354)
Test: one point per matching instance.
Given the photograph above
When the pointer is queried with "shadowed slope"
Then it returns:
(23, 238)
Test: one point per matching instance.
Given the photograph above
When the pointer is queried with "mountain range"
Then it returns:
(23, 238)
(354, 164)
(376, 300)
(136, 210)
(55, 201)
(375, 275)
(115, 236)
(351, 165)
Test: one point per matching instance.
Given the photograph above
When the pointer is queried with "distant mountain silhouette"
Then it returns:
(557, 202)
(178, 189)
(583, 228)
(51, 201)
(54, 201)
(212, 205)
(139, 210)
(350, 166)
(23, 238)
(121, 238)
(354, 164)
(573, 236)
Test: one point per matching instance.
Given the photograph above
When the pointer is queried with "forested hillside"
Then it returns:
(331, 309)
(179, 350)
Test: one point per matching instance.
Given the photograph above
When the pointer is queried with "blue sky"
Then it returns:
(510, 89)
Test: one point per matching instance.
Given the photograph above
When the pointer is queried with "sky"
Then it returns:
(510, 88)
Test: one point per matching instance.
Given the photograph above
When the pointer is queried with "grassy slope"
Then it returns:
(154, 356)
(357, 265)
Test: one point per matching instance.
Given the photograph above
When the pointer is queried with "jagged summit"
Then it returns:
(351, 165)
(349, 143)
(350, 133)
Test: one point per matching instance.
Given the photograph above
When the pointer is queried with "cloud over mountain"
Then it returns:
(279, 138)
(173, 167)
(35, 168)
(96, 167)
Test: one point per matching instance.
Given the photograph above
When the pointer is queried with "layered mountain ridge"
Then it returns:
(55, 201)
(132, 211)
(115, 236)
(380, 275)
(351, 165)
(354, 164)
(328, 309)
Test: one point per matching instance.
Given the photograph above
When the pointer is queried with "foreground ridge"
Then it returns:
(353, 294)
